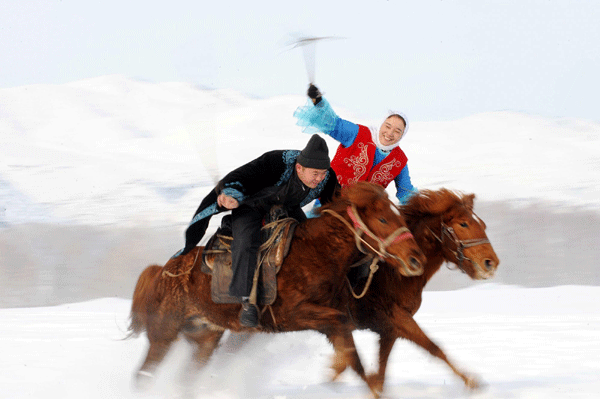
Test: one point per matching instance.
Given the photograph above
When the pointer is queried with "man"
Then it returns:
(290, 178)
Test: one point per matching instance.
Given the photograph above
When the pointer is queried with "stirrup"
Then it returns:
(249, 315)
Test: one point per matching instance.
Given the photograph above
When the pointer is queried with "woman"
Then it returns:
(364, 154)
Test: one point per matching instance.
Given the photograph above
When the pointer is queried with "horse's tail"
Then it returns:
(138, 315)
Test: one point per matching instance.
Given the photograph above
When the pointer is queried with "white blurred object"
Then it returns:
(309, 47)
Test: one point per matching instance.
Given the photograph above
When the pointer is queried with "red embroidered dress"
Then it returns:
(357, 158)
(355, 163)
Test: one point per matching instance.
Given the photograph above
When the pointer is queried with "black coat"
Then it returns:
(268, 180)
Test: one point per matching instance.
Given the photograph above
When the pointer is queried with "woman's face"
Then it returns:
(391, 130)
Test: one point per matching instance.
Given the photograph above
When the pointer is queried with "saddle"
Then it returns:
(276, 234)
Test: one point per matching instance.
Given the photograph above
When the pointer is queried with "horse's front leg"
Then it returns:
(342, 356)
(340, 362)
(386, 343)
(408, 328)
(345, 354)
(336, 326)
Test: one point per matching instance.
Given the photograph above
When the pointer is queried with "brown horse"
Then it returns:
(311, 283)
(447, 230)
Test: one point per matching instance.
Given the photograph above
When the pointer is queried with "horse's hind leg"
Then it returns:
(161, 332)
(204, 340)
(156, 353)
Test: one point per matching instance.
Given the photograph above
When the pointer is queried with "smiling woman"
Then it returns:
(392, 130)
(364, 154)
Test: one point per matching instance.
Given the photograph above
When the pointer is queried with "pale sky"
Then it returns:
(431, 60)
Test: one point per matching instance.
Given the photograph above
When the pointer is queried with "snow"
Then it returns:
(100, 177)
(522, 342)
(116, 142)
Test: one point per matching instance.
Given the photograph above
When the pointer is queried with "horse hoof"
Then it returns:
(375, 384)
(143, 380)
(473, 383)
(334, 377)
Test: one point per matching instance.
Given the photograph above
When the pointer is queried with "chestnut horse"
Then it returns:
(447, 230)
(311, 284)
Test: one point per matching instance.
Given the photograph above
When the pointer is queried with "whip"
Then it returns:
(309, 44)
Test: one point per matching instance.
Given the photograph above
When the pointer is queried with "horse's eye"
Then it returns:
(382, 220)
(464, 224)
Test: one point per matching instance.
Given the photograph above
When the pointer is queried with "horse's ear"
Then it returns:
(468, 201)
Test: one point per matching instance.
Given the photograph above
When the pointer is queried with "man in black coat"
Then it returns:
(290, 178)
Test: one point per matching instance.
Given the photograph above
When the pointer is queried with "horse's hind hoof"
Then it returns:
(143, 380)
(375, 384)
(474, 384)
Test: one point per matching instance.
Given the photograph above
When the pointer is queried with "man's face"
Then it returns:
(309, 176)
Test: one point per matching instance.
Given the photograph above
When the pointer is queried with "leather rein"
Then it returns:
(359, 228)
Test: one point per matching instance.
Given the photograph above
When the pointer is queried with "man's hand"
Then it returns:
(314, 94)
(227, 202)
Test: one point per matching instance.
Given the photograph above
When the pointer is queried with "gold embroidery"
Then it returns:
(358, 163)
(383, 175)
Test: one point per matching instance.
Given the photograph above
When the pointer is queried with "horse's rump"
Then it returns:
(141, 292)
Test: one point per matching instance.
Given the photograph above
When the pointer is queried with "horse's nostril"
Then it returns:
(414, 263)
(489, 264)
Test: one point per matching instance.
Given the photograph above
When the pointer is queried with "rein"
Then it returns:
(166, 273)
(448, 231)
(358, 228)
(372, 269)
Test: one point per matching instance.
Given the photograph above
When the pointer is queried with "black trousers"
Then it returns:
(246, 223)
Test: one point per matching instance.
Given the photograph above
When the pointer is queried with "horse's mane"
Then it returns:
(429, 203)
(361, 194)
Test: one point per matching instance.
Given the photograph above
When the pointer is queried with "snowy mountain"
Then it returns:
(112, 150)
(99, 178)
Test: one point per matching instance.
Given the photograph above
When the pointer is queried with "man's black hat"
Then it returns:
(315, 155)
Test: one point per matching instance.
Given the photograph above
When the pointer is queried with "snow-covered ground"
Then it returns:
(522, 342)
(99, 178)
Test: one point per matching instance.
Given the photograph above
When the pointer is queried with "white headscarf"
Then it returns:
(375, 136)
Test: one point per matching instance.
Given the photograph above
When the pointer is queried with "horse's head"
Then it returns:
(454, 225)
(380, 229)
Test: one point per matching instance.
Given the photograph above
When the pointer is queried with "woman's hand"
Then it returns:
(314, 94)
(227, 202)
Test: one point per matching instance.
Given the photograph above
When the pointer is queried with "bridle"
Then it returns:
(359, 228)
(449, 232)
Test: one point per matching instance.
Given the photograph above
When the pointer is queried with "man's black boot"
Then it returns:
(249, 314)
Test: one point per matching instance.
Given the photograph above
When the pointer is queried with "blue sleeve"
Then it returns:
(345, 132)
(322, 118)
(404, 186)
